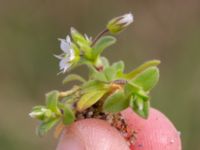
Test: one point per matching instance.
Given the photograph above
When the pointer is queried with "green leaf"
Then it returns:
(93, 85)
(110, 73)
(131, 88)
(141, 68)
(100, 76)
(102, 43)
(89, 99)
(116, 102)
(105, 62)
(73, 77)
(119, 66)
(69, 115)
(44, 127)
(38, 108)
(52, 101)
(140, 106)
(147, 79)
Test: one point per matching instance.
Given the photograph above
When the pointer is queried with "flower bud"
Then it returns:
(41, 114)
(120, 23)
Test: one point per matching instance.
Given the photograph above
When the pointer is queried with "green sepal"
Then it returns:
(90, 98)
(68, 116)
(140, 106)
(52, 101)
(101, 44)
(73, 77)
(147, 79)
(78, 37)
(116, 102)
(81, 42)
(44, 127)
(76, 52)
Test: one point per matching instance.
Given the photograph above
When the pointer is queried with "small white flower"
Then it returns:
(65, 44)
(64, 64)
(67, 56)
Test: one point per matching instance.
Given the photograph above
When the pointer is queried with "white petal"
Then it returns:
(68, 39)
(34, 114)
(64, 45)
(64, 64)
(127, 19)
(59, 56)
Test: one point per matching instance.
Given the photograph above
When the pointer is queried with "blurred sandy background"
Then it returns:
(166, 30)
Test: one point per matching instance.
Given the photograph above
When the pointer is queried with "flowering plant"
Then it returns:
(108, 89)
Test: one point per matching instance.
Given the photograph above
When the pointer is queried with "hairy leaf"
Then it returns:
(131, 88)
(105, 62)
(116, 102)
(102, 44)
(52, 100)
(93, 85)
(119, 67)
(140, 106)
(44, 127)
(69, 115)
(89, 99)
(110, 73)
(100, 76)
(73, 77)
(141, 68)
(147, 79)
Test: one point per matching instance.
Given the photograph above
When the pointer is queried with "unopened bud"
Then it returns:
(120, 23)
(41, 114)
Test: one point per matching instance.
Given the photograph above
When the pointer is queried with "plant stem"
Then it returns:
(99, 35)
(70, 92)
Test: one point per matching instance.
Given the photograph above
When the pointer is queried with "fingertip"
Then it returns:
(91, 134)
(155, 133)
